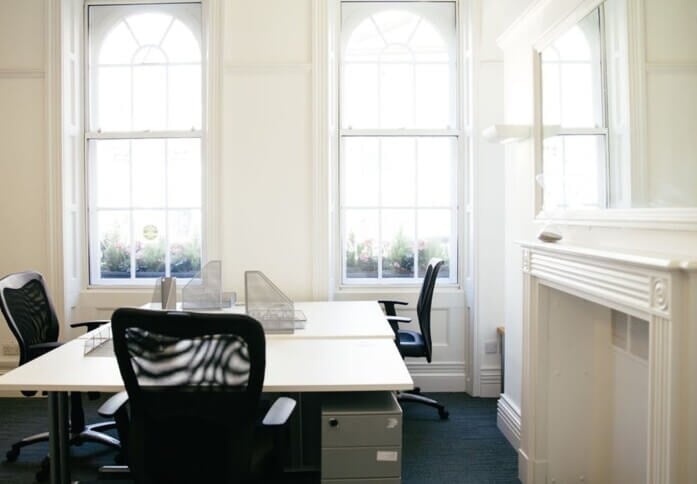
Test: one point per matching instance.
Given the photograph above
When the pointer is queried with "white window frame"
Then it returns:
(564, 133)
(461, 133)
(211, 40)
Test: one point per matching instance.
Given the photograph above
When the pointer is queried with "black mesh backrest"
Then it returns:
(423, 306)
(193, 382)
(28, 311)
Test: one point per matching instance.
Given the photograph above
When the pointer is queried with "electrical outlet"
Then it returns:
(491, 347)
(10, 350)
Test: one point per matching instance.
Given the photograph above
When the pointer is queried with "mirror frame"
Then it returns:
(664, 218)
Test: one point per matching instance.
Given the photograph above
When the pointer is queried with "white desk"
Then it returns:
(292, 365)
(327, 319)
(360, 360)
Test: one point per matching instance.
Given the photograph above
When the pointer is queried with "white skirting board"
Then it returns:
(508, 420)
(438, 377)
(490, 382)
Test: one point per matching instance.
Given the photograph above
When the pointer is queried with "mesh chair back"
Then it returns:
(194, 382)
(28, 311)
(423, 306)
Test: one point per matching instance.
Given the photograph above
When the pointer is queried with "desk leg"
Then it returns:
(297, 460)
(59, 439)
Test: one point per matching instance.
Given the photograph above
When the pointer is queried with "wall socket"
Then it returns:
(491, 347)
(10, 350)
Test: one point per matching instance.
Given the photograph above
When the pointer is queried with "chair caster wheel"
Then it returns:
(443, 414)
(12, 455)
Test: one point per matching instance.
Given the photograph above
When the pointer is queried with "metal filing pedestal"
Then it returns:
(361, 438)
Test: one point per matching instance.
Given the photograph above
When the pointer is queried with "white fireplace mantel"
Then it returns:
(653, 287)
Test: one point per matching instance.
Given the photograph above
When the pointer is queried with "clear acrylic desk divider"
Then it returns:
(269, 305)
(97, 339)
(205, 289)
(165, 294)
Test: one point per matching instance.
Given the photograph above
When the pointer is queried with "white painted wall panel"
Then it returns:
(672, 124)
(269, 31)
(21, 34)
(23, 197)
(670, 30)
(266, 179)
(490, 191)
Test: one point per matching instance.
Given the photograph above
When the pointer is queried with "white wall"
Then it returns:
(24, 188)
(267, 143)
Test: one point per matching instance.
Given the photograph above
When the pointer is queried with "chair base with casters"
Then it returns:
(79, 434)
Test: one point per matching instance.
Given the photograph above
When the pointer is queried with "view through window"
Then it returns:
(143, 141)
(399, 140)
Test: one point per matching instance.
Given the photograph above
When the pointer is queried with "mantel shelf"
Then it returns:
(655, 260)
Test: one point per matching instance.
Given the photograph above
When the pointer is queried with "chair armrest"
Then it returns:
(279, 412)
(390, 306)
(398, 319)
(394, 323)
(113, 405)
(90, 325)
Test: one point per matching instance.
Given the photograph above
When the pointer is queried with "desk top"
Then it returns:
(344, 347)
(329, 319)
(297, 365)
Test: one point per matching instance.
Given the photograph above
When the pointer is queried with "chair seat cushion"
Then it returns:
(411, 343)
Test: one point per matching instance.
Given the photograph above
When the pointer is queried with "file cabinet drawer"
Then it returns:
(353, 430)
(361, 462)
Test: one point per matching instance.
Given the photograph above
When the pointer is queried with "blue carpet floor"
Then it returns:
(466, 449)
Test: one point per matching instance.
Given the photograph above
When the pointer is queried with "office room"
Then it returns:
(519, 173)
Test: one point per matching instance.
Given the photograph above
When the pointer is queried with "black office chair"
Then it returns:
(194, 383)
(30, 314)
(413, 343)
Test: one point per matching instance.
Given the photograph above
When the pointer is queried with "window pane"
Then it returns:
(146, 67)
(573, 166)
(112, 172)
(184, 172)
(360, 172)
(181, 45)
(185, 243)
(437, 170)
(148, 169)
(398, 171)
(113, 231)
(572, 77)
(361, 246)
(433, 94)
(149, 28)
(150, 240)
(405, 55)
(112, 106)
(397, 243)
(397, 96)
(359, 107)
(149, 97)
(184, 103)
(118, 47)
(396, 25)
(435, 229)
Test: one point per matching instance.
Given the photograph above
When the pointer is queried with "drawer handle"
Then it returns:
(333, 422)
